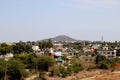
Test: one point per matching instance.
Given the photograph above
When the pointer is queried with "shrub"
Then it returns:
(100, 58)
(2, 68)
(16, 70)
(65, 73)
(44, 62)
(42, 75)
(105, 65)
(58, 71)
(75, 66)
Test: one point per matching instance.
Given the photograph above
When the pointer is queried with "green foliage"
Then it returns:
(5, 49)
(22, 47)
(89, 53)
(77, 46)
(65, 73)
(44, 62)
(3, 45)
(105, 63)
(118, 52)
(27, 59)
(2, 68)
(60, 71)
(116, 60)
(92, 66)
(42, 75)
(75, 66)
(70, 69)
(100, 58)
(64, 57)
(45, 44)
(16, 70)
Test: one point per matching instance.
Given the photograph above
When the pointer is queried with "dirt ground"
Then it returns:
(93, 75)
(87, 75)
(112, 76)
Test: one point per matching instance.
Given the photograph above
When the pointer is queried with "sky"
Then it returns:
(32, 20)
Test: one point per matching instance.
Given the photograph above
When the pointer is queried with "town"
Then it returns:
(58, 58)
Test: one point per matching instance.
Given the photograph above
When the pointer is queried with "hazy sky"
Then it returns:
(38, 19)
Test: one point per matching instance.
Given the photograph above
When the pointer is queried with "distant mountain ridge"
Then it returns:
(62, 38)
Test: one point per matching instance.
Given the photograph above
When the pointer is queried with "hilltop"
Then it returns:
(62, 38)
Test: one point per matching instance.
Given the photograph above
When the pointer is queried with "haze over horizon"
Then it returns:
(40, 19)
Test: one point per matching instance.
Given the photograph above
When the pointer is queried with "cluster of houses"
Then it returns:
(56, 53)
(102, 50)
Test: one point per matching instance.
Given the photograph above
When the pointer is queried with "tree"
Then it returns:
(100, 58)
(75, 66)
(5, 49)
(2, 68)
(104, 65)
(3, 45)
(57, 71)
(27, 60)
(16, 70)
(118, 52)
(77, 46)
(90, 53)
(44, 62)
(49, 43)
(22, 47)
(45, 44)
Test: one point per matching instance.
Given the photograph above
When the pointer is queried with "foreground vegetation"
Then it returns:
(25, 63)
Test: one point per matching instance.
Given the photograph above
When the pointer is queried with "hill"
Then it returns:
(62, 38)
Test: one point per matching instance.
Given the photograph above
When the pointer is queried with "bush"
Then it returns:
(44, 62)
(90, 53)
(42, 75)
(105, 65)
(75, 66)
(2, 68)
(100, 58)
(57, 71)
(16, 70)
(92, 66)
(60, 71)
(70, 69)
(65, 73)
(27, 59)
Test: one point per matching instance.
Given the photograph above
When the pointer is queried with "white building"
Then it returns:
(35, 48)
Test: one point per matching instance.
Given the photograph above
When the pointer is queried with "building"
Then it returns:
(107, 53)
